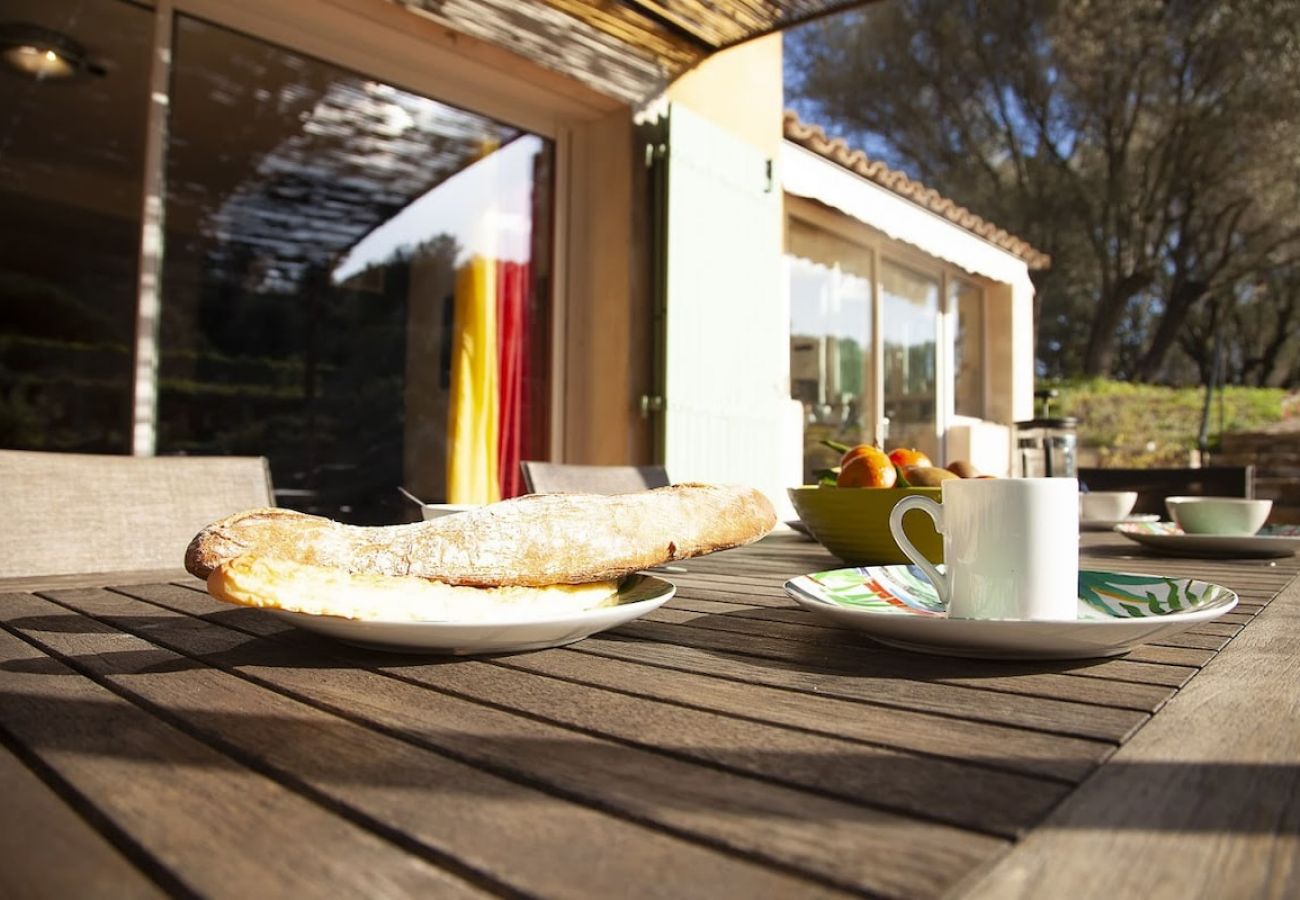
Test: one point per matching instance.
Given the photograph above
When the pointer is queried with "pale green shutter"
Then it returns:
(728, 416)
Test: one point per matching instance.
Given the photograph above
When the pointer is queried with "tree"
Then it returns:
(1136, 141)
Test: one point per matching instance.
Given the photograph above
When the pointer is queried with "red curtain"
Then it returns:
(512, 356)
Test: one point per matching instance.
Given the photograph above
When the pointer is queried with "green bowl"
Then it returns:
(853, 523)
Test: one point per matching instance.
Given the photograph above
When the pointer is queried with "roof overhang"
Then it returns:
(837, 151)
(805, 173)
(627, 49)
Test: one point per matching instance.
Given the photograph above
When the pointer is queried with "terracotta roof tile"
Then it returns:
(813, 138)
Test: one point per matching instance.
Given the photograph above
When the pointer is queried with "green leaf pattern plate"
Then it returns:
(1168, 538)
(897, 605)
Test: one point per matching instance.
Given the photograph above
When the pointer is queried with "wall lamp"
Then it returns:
(43, 54)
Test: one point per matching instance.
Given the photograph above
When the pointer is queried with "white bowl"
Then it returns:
(1218, 515)
(1106, 506)
(438, 510)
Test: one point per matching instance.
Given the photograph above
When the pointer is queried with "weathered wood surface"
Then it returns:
(728, 744)
(1203, 802)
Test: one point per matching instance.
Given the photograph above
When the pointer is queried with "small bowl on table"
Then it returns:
(1106, 506)
(853, 522)
(1218, 515)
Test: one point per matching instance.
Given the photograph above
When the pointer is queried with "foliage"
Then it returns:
(1136, 141)
(1152, 425)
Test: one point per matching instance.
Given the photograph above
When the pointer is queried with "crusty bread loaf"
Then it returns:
(269, 583)
(536, 540)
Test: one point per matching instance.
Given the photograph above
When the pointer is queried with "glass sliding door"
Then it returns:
(881, 351)
(910, 333)
(355, 283)
(71, 172)
(830, 340)
(966, 307)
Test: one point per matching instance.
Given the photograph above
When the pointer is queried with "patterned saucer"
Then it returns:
(897, 605)
(1269, 541)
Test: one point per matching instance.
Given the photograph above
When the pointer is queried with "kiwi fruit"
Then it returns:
(963, 469)
(927, 476)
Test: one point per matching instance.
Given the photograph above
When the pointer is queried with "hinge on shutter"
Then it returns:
(654, 152)
(651, 403)
(771, 178)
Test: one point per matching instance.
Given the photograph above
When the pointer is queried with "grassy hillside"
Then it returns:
(1149, 425)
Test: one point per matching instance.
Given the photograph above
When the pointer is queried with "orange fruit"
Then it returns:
(857, 450)
(908, 456)
(868, 468)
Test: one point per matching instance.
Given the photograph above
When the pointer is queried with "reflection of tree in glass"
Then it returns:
(312, 378)
(63, 368)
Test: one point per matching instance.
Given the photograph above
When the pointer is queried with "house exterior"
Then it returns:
(911, 317)
(413, 243)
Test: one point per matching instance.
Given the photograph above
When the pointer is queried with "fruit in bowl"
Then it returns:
(848, 510)
(853, 523)
(908, 456)
(866, 466)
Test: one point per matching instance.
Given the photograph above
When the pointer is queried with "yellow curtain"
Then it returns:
(472, 429)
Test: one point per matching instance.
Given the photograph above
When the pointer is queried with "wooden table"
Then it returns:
(153, 741)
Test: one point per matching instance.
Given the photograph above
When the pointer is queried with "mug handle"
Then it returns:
(934, 511)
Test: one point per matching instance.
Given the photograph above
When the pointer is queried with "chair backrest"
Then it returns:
(1154, 485)
(73, 513)
(561, 478)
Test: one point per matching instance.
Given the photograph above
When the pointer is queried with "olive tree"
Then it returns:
(1152, 147)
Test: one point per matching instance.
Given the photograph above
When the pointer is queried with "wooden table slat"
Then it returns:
(868, 660)
(1067, 718)
(179, 799)
(1112, 670)
(70, 858)
(730, 743)
(512, 833)
(1186, 810)
(784, 826)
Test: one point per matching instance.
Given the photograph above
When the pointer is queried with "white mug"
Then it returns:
(1010, 547)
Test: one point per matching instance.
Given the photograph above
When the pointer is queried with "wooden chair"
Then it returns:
(557, 478)
(73, 513)
(1154, 485)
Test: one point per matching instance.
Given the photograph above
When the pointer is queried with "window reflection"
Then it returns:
(910, 317)
(968, 349)
(71, 163)
(830, 340)
(319, 228)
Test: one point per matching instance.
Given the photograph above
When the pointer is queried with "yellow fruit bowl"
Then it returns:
(853, 523)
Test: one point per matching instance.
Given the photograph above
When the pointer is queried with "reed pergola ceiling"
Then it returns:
(629, 49)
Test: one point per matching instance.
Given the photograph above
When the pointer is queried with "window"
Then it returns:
(830, 339)
(337, 250)
(320, 226)
(966, 305)
(71, 170)
(910, 313)
(885, 344)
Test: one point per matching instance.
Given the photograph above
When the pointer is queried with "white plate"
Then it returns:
(897, 605)
(638, 595)
(1271, 541)
(1108, 524)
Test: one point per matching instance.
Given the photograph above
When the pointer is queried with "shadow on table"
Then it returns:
(814, 646)
(354, 717)
(276, 645)
(331, 755)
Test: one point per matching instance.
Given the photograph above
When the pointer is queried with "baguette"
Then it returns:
(281, 584)
(535, 541)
